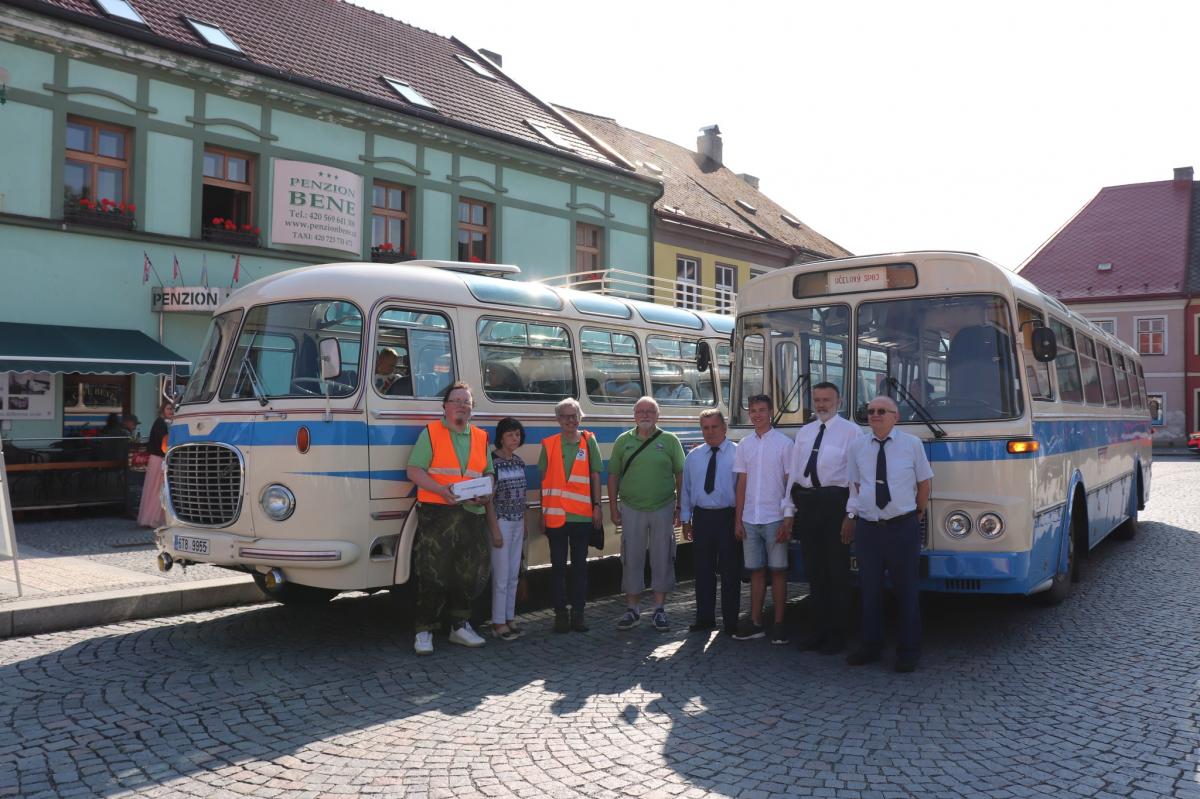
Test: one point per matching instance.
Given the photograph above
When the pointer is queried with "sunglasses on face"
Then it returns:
(878, 411)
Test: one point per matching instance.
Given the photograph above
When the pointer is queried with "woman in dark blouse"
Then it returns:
(508, 541)
(150, 511)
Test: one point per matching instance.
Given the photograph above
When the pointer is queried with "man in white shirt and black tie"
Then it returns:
(819, 488)
(891, 480)
(708, 501)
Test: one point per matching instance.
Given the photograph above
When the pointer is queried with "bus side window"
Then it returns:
(1066, 365)
(612, 370)
(413, 354)
(525, 361)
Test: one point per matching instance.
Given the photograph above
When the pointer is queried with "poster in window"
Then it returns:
(26, 395)
(1155, 403)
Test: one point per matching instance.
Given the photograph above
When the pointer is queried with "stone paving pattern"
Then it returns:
(72, 555)
(1095, 698)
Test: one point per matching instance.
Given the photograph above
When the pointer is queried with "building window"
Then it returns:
(228, 202)
(474, 231)
(1109, 326)
(96, 178)
(589, 245)
(726, 287)
(1151, 335)
(390, 209)
(687, 283)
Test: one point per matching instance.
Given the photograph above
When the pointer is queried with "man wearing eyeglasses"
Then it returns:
(891, 480)
(451, 560)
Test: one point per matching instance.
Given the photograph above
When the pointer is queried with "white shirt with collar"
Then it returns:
(906, 466)
(840, 433)
(764, 460)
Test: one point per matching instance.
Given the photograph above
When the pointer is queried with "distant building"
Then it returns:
(713, 228)
(250, 138)
(1130, 261)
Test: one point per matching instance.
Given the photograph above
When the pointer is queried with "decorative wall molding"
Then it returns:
(210, 121)
(481, 181)
(387, 159)
(69, 90)
(590, 207)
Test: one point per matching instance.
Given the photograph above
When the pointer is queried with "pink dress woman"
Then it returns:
(150, 511)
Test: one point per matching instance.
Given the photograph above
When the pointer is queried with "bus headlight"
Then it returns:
(278, 502)
(991, 525)
(958, 524)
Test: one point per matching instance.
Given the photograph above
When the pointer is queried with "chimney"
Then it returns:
(1183, 174)
(494, 57)
(708, 144)
(750, 180)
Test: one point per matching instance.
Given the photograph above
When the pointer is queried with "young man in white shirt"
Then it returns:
(761, 465)
(892, 481)
(818, 488)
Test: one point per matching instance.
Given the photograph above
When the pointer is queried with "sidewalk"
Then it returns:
(79, 571)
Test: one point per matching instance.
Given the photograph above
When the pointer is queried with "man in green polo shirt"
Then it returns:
(644, 477)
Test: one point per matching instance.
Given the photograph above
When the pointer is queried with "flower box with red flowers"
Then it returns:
(387, 253)
(104, 213)
(226, 231)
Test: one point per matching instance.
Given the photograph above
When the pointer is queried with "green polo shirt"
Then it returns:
(421, 454)
(650, 482)
(569, 451)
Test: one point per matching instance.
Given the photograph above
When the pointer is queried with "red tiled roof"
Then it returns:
(693, 190)
(1141, 229)
(346, 47)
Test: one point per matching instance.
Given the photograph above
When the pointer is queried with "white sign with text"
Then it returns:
(313, 205)
(26, 395)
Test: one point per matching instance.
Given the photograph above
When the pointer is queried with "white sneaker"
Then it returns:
(466, 636)
(424, 643)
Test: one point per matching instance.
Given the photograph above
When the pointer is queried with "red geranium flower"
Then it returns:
(387, 246)
(412, 253)
(475, 259)
(131, 208)
(218, 221)
(257, 230)
(230, 224)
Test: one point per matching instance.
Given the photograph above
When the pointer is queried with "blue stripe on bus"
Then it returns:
(1054, 438)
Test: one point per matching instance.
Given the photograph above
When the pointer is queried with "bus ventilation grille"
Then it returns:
(204, 484)
(964, 585)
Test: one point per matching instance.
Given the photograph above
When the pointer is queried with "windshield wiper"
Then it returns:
(802, 380)
(922, 414)
(255, 384)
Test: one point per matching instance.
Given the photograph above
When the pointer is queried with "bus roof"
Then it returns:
(468, 284)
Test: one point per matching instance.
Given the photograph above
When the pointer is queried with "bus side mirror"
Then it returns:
(703, 356)
(331, 358)
(1045, 346)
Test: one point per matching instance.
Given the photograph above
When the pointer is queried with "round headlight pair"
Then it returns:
(278, 502)
(958, 525)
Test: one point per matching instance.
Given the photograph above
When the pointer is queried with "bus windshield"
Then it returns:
(953, 355)
(217, 343)
(277, 353)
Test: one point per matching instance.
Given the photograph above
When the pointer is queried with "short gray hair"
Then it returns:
(650, 400)
(708, 413)
(568, 402)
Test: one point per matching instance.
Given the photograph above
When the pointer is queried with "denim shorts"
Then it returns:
(761, 549)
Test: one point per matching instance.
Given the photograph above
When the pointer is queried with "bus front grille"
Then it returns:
(204, 484)
(961, 584)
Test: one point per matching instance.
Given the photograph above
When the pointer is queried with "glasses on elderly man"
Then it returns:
(878, 411)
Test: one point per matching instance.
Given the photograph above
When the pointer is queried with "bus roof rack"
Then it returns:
(491, 270)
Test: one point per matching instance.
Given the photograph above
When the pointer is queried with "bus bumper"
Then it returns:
(977, 572)
(198, 545)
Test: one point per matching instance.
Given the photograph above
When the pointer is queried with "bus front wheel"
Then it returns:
(1060, 586)
(293, 593)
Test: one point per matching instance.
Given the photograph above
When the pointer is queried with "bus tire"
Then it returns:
(1060, 586)
(294, 594)
(1128, 528)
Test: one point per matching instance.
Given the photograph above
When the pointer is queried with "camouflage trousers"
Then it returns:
(451, 564)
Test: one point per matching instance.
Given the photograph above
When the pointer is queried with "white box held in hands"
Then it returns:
(475, 487)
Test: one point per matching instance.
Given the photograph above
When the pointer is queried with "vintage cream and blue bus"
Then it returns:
(287, 452)
(1040, 443)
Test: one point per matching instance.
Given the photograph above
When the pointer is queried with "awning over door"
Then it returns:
(90, 350)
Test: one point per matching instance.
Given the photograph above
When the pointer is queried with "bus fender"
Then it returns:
(408, 534)
(1076, 484)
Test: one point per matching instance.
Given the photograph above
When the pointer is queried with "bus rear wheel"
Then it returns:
(294, 593)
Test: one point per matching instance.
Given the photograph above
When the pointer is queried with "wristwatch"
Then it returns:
(851, 514)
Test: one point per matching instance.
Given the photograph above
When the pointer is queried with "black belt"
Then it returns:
(821, 490)
(713, 510)
(894, 520)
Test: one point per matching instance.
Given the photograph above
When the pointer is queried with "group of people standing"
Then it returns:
(739, 504)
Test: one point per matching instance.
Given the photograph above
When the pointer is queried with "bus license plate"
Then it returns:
(186, 543)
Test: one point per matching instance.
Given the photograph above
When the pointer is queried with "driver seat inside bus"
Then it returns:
(973, 366)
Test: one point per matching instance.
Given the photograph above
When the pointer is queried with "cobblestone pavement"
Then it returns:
(65, 555)
(1097, 697)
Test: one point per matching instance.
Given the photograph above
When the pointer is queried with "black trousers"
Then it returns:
(896, 549)
(818, 527)
(573, 536)
(716, 550)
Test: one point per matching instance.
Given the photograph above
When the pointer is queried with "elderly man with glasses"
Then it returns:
(891, 481)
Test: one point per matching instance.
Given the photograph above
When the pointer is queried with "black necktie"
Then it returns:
(710, 477)
(810, 469)
(883, 494)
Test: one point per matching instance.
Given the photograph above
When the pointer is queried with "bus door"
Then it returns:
(412, 365)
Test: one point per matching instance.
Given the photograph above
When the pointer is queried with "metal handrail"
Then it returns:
(641, 286)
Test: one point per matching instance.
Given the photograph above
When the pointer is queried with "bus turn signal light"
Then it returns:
(303, 440)
(1022, 447)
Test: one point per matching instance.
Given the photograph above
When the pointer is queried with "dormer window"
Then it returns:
(746, 206)
(791, 220)
(120, 9)
(408, 92)
(213, 36)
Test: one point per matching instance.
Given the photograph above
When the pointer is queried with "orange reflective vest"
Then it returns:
(445, 468)
(563, 494)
